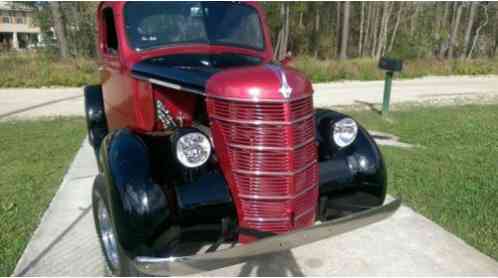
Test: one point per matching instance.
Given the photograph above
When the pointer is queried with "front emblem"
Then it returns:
(285, 89)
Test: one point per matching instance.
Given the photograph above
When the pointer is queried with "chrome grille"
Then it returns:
(271, 157)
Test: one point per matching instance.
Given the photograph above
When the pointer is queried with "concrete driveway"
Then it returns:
(32, 103)
(65, 244)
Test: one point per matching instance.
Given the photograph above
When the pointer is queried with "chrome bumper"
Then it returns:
(238, 254)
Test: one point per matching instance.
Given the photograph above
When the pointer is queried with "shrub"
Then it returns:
(366, 68)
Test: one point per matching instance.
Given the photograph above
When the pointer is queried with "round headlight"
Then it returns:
(193, 149)
(344, 132)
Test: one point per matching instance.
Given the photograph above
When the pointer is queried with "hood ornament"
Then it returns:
(285, 89)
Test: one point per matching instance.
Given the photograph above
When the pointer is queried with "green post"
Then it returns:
(387, 92)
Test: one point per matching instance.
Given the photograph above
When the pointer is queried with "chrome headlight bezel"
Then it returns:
(344, 132)
(192, 143)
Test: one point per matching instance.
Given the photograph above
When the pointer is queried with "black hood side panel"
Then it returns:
(190, 70)
(194, 78)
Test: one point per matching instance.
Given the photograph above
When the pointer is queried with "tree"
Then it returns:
(362, 21)
(454, 32)
(494, 48)
(445, 42)
(281, 45)
(470, 23)
(345, 31)
(386, 13)
(478, 31)
(338, 27)
(59, 28)
(396, 26)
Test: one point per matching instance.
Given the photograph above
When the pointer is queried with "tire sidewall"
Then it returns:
(125, 266)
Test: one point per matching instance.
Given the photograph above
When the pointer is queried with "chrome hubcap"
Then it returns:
(107, 235)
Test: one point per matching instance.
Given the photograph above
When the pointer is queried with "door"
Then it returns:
(117, 92)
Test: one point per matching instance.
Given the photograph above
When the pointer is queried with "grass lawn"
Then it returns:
(453, 178)
(33, 158)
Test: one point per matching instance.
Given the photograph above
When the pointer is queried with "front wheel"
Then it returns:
(115, 258)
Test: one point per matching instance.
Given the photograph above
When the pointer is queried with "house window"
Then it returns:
(5, 19)
(111, 38)
(19, 20)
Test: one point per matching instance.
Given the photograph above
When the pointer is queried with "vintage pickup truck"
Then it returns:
(209, 152)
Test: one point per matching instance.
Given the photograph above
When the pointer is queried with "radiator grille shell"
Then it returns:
(268, 154)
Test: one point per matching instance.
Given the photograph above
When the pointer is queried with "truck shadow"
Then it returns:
(277, 264)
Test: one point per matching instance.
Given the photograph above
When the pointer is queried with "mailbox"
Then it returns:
(390, 64)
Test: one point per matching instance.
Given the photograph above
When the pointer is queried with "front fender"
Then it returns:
(139, 207)
(356, 168)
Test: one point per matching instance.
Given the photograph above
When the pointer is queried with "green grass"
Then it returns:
(41, 70)
(453, 178)
(34, 157)
(366, 68)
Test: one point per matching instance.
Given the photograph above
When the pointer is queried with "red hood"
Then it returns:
(259, 83)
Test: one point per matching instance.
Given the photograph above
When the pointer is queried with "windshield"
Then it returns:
(155, 24)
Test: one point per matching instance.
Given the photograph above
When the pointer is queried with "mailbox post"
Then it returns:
(390, 66)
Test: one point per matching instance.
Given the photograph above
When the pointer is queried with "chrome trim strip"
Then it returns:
(260, 100)
(266, 148)
(168, 85)
(172, 266)
(266, 219)
(285, 197)
(272, 173)
(258, 122)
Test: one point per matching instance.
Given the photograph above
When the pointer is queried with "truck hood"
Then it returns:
(244, 79)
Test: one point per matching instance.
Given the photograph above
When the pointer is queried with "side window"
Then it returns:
(110, 36)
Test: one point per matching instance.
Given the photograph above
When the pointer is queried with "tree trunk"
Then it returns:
(285, 45)
(376, 27)
(281, 45)
(59, 28)
(454, 32)
(362, 21)
(495, 33)
(338, 27)
(345, 31)
(389, 8)
(466, 43)
(396, 26)
(413, 19)
(444, 43)
(381, 42)
(317, 29)
(366, 36)
(486, 19)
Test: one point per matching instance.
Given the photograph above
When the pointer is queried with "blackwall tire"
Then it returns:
(117, 263)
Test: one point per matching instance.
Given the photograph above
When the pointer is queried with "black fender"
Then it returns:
(358, 167)
(95, 116)
(138, 206)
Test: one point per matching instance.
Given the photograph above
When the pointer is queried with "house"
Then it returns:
(17, 29)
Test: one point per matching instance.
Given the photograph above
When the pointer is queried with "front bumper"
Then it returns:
(240, 253)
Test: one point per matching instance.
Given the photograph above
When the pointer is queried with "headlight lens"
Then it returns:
(193, 149)
(344, 132)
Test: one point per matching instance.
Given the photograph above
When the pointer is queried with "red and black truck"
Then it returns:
(209, 151)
